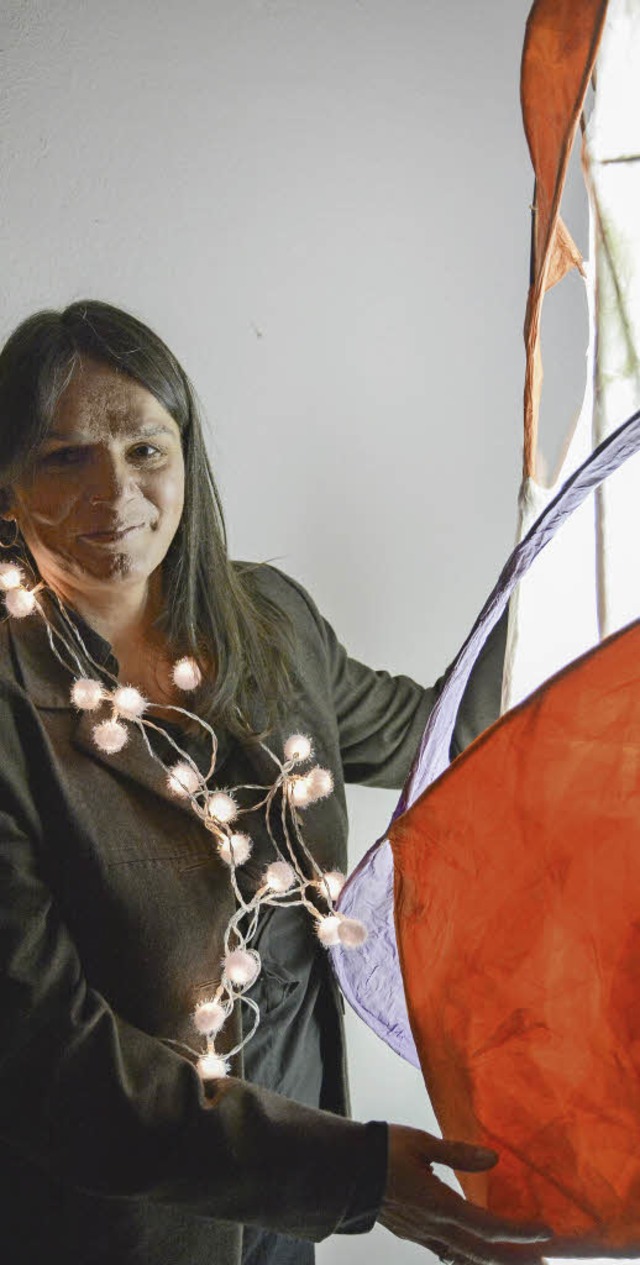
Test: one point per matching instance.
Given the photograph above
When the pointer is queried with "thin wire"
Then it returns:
(243, 924)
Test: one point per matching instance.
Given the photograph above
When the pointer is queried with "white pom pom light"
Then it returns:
(186, 674)
(300, 792)
(335, 929)
(297, 748)
(320, 783)
(235, 849)
(314, 785)
(327, 930)
(110, 736)
(86, 694)
(129, 701)
(19, 602)
(212, 1067)
(183, 779)
(222, 807)
(241, 967)
(280, 876)
(332, 883)
(351, 933)
(11, 576)
(209, 1017)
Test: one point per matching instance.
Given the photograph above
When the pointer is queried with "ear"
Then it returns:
(6, 505)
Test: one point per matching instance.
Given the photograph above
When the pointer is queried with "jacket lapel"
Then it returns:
(135, 761)
(48, 684)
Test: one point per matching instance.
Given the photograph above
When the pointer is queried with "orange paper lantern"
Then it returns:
(517, 897)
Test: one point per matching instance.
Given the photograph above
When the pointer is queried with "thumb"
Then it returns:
(462, 1155)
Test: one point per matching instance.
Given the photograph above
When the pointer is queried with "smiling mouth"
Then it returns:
(111, 537)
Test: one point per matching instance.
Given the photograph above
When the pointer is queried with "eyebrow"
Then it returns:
(146, 428)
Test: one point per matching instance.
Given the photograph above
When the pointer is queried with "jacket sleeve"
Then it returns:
(109, 1109)
(381, 717)
(380, 720)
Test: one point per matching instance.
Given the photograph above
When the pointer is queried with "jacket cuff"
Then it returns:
(366, 1197)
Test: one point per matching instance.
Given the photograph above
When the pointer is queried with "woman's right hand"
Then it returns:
(420, 1207)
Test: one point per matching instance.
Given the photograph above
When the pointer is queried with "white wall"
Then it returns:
(323, 206)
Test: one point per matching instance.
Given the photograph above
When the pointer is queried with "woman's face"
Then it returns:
(103, 496)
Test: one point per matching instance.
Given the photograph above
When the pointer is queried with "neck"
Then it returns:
(125, 618)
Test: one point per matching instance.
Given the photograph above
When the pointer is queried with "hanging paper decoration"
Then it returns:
(553, 616)
(525, 856)
(516, 870)
(516, 893)
(560, 48)
(561, 42)
(528, 865)
(612, 157)
(373, 983)
(586, 585)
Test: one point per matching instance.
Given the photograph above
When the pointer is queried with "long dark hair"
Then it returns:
(212, 607)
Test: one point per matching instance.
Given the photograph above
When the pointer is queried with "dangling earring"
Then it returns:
(16, 532)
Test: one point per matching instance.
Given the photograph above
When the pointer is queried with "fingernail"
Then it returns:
(484, 1153)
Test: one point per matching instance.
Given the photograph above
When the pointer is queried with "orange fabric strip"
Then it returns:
(560, 48)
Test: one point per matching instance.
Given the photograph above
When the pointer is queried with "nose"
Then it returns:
(109, 481)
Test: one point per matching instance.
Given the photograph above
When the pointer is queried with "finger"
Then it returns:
(462, 1155)
(453, 1210)
(463, 1249)
(464, 1246)
(490, 1254)
(466, 1251)
(483, 1254)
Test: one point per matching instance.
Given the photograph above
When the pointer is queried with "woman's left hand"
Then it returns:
(419, 1207)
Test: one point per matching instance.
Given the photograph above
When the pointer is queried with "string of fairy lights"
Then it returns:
(297, 784)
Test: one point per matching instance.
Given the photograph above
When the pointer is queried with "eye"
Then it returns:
(144, 452)
(63, 457)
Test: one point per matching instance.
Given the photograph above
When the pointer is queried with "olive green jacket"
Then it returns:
(113, 906)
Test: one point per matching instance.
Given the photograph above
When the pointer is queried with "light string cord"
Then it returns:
(75, 632)
(173, 707)
(283, 884)
(52, 634)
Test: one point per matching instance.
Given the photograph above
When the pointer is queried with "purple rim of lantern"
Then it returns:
(371, 978)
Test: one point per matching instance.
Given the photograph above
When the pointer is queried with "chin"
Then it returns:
(118, 568)
(122, 568)
(94, 570)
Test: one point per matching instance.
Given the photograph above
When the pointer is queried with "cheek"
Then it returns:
(171, 498)
(46, 503)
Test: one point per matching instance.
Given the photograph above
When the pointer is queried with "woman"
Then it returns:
(120, 1143)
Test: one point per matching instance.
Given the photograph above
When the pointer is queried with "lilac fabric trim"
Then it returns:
(371, 978)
